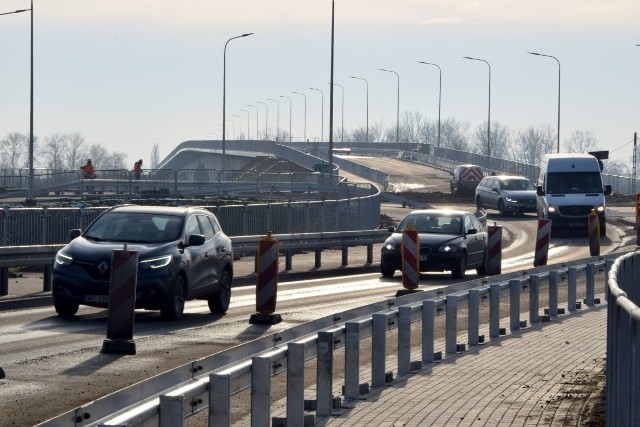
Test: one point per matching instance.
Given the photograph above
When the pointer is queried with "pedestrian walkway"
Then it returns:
(546, 375)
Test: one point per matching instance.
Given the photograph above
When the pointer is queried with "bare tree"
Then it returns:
(617, 167)
(581, 142)
(411, 126)
(14, 147)
(454, 134)
(500, 141)
(75, 150)
(534, 142)
(98, 155)
(155, 156)
(54, 151)
(115, 160)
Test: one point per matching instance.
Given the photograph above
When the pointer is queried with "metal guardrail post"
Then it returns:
(404, 340)
(428, 315)
(345, 255)
(5, 226)
(473, 323)
(295, 384)
(494, 310)
(4, 281)
(572, 286)
(534, 299)
(370, 253)
(220, 399)
(352, 361)
(324, 387)
(514, 304)
(607, 268)
(378, 349)
(590, 292)
(260, 391)
(45, 226)
(451, 329)
(553, 293)
(171, 411)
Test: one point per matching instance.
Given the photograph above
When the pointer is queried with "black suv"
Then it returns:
(182, 251)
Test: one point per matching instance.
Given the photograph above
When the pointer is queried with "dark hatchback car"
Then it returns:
(450, 240)
(507, 194)
(183, 254)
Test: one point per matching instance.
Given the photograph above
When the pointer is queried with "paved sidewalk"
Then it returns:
(546, 375)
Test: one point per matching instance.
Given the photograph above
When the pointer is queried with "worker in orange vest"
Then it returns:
(88, 171)
(137, 169)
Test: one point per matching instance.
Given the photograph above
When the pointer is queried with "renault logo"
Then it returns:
(103, 267)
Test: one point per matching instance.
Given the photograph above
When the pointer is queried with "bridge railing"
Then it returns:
(623, 342)
(208, 384)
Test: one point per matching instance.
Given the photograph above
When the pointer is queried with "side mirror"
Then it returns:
(539, 190)
(74, 233)
(391, 229)
(472, 231)
(195, 240)
(607, 190)
(495, 190)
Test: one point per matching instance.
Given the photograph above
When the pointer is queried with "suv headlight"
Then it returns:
(153, 263)
(62, 259)
(510, 199)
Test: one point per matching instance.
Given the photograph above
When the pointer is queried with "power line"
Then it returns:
(623, 145)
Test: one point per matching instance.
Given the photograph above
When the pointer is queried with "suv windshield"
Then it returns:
(574, 183)
(517, 185)
(135, 228)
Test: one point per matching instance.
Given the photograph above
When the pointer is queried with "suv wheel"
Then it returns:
(219, 302)
(66, 308)
(175, 309)
(387, 272)
(478, 202)
(501, 208)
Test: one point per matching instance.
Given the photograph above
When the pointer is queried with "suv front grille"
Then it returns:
(97, 271)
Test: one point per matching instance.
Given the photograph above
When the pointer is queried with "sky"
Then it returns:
(128, 74)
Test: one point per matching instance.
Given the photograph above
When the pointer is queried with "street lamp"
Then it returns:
(549, 56)
(248, 120)
(257, 119)
(266, 119)
(290, 105)
(489, 118)
(322, 111)
(30, 201)
(342, 132)
(224, 94)
(367, 83)
(305, 114)
(277, 116)
(398, 105)
(240, 126)
(439, 98)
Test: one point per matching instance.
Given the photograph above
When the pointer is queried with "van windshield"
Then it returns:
(574, 183)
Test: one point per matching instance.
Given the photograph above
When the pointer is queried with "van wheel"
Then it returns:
(175, 309)
(603, 229)
(219, 302)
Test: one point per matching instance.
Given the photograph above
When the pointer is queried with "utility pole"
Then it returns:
(635, 159)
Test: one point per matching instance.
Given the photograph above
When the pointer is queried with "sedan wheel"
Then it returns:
(66, 308)
(175, 309)
(219, 302)
(478, 202)
(459, 270)
(482, 270)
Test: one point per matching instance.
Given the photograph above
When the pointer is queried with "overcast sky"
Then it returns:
(131, 73)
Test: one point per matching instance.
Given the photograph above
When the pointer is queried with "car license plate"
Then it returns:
(97, 298)
(423, 257)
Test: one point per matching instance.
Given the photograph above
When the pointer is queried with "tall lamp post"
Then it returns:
(290, 106)
(439, 98)
(397, 105)
(549, 56)
(489, 118)
(277, 116)
(342, 132)
(30, 201)
(224, 94)
(266, 119)
(305, 114)
(248, 121)
(367, 83)
(257, 119)
(321, 112)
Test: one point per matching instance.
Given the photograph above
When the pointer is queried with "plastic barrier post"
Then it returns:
(594, 233)
(494, 250)
(542, 242)
(266, 282)
(122, 303)
(410, 251)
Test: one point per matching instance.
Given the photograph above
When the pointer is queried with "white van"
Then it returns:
(569, 187)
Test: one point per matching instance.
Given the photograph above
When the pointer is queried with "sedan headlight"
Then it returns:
(62, 259)
(446, 248)
(389, 247)
(158, 262)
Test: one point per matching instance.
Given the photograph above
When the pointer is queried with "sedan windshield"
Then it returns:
(135, 228)
(433, 223)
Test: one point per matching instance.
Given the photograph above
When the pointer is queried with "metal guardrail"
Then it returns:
(623, 343)
(43, 255)
(209, 383)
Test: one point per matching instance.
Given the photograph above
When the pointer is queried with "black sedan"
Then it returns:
(183, 254)
(450, 240)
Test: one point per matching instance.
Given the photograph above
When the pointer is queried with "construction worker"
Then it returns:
(137, 169)
(88, 171)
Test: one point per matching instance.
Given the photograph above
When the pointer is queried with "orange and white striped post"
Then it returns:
(266, 281)
(494, 250)
(542, 242)
(410, 251)
(122, 303)
(594, 233)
